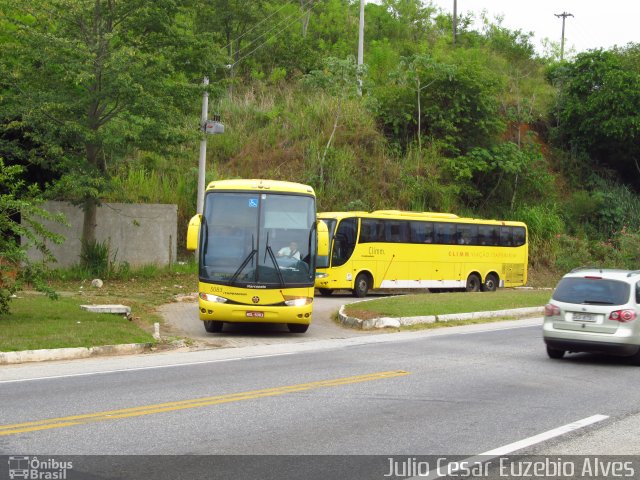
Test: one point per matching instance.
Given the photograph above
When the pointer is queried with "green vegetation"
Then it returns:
(101, 102)
(19, 215)
(444, 303)
(38, 323)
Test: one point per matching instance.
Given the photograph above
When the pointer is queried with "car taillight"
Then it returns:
(623, 315)
(551, 310)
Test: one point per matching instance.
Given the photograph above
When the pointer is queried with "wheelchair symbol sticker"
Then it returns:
(253, 203)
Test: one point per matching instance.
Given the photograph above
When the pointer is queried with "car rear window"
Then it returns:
(598, 291)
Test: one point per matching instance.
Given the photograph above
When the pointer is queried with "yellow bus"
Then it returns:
(248, 270)
(392, 249)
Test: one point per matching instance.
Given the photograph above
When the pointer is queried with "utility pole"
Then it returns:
(361, 44)
(202, 160)
(455, 20)
(564, 16)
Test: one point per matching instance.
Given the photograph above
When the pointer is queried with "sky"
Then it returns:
(595, 23)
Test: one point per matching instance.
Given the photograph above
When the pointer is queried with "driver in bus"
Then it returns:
(291, 251)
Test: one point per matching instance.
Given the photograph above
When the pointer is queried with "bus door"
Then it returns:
(344, 243)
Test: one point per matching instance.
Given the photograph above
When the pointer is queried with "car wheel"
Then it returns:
(555, 353)
(473, 283)
(635, 358)
(361, 286)
(297, 327)
(213, 326)
(325, 292)
(490, 283)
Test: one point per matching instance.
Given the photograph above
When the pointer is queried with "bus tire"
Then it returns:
(361, 286)
(473, 283)
(325, 292)
(297, 327)
(213, 326)
(490, 283)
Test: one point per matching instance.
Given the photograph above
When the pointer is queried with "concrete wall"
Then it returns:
(139, 234)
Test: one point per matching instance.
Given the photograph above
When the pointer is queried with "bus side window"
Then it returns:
(505, 237)
(519, 236)
(380, 231)
(397, 231)
(368, 231)
(445, 233)
(421, 232)
(467, 234)
(488, 235)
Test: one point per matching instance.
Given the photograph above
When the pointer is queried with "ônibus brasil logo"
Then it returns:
(33, 468)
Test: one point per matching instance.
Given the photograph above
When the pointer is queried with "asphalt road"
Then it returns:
(359, 399)
(455, 392)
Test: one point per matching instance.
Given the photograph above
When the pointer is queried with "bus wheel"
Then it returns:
(473, 283)
(212, 326)
(490, 283)
(325, 292)
(361, 286)
(297, 327)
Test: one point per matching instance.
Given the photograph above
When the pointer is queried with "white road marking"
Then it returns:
(451, 469)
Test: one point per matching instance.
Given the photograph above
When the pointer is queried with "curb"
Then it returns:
(395, 322)
(9, 358)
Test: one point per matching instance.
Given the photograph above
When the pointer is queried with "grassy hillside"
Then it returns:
(289, 132)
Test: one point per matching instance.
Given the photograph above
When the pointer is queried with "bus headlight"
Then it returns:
(212, 298)
(297, 301)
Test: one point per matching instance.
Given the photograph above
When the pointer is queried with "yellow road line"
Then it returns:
(193, 403)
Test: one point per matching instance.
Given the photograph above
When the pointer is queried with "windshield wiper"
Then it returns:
(244, 264)
(272, 256)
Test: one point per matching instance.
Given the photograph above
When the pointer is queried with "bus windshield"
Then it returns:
(257, 238)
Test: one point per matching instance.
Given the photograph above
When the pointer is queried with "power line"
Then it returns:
(256, 26)
(274, 27)
(272, 36)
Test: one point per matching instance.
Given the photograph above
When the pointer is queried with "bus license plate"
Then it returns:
(584, 317)
(255, 314)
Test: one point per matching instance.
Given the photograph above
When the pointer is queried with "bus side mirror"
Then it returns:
(192, 232)
(323, 245)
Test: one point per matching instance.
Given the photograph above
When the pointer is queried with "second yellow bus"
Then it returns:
(391, 249)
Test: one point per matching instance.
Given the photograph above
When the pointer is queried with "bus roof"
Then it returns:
(408, 215)
(404, 213)
(260, 185)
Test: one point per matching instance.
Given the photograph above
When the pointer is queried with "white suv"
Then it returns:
(594, 310)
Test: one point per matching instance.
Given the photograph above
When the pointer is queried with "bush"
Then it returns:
(545, 226)
(96, 258)
(20, 230)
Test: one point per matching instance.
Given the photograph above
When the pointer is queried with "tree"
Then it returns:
(339, 78)
(413, 70)
(94, 79)
(20, 230)
(457, 99)
(598, 111)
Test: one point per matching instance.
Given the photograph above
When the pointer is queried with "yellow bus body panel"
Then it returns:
(254, 305)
